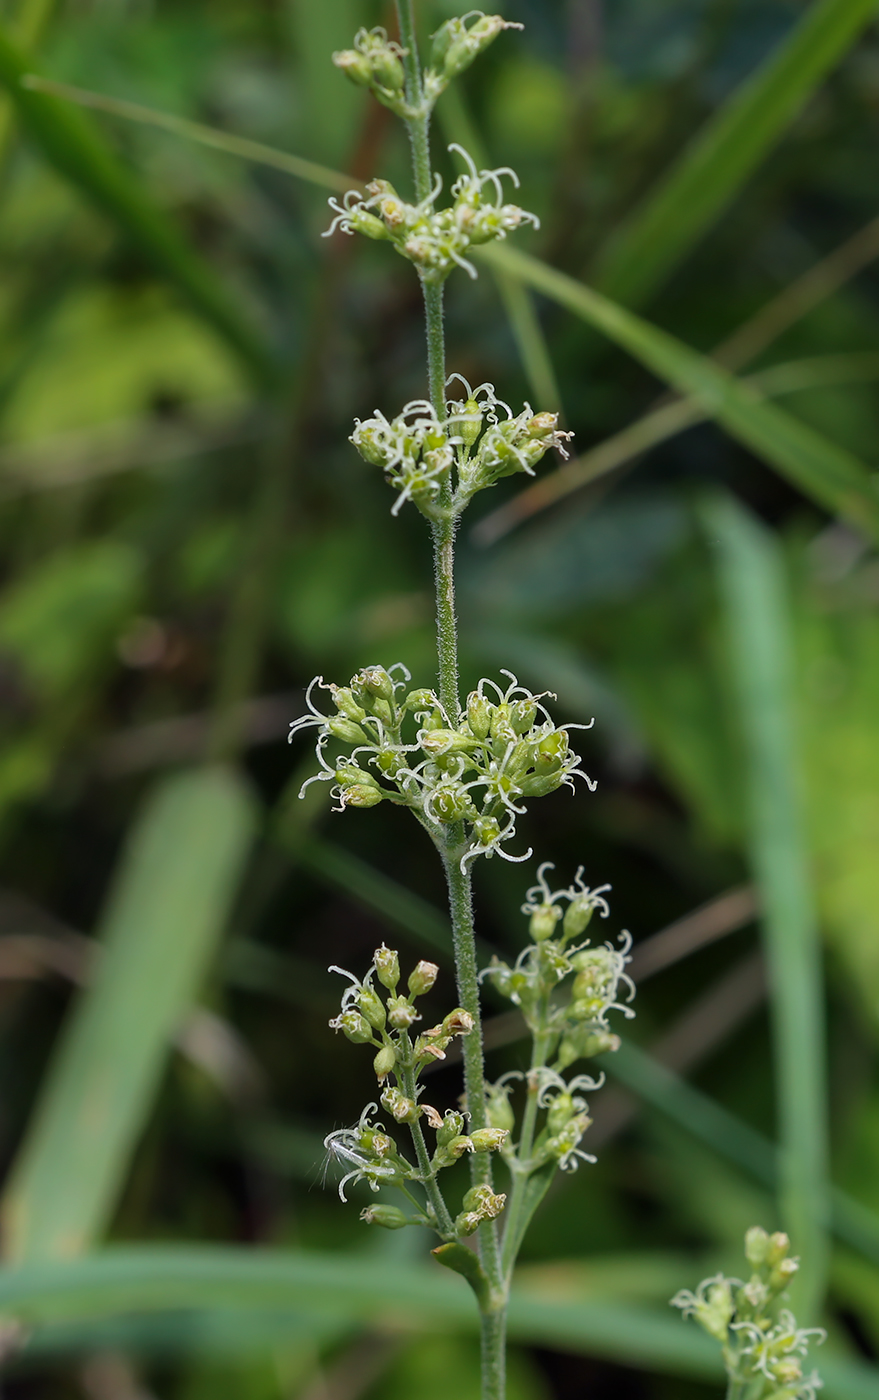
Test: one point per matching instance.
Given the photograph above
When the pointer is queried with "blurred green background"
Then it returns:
(187, 538)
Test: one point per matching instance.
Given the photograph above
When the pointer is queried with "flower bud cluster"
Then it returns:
(455, 46)
(481, 438)
(434, 240)
(576, 1016)
(762, 1345)
(476, 769)
(383, 1016)
(376, 62)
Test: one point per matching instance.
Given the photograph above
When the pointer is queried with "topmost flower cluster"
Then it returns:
(435, 240)
(376, 61)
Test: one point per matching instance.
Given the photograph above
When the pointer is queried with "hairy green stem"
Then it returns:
(494, 1349)
(428, 1179)
(517, 1202)
(493, 1319)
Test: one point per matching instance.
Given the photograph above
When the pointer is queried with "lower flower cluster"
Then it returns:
(383, 1016)
(475, 770)
(763, 1348)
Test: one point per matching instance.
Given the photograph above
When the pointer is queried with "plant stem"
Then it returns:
(513, 1213)
(428, 1179)
(493, 1319)
(494, 1349)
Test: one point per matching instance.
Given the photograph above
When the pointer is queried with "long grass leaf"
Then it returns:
(167, 908)
(726, 1134)
(68, 140)
(754, 593)
(712, 170)
(823, 470)
(148, 1280)
(226, 141)
(661, 424)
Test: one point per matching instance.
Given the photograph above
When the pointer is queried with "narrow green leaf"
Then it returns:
(754, 592)
(712, 170)
(167, 908)
(536, 1188)
(465, 1262)
(150, 1280)
(731, 1138)
(833, 476)
(71, 143)
(407, 911)
(226, 141)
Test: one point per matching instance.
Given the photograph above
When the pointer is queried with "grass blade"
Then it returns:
(167, 908)
(212, 136)
(754, 593)
(149, 1280)
(712, 170)
(658, 426)
(820, 468)
(69, 141)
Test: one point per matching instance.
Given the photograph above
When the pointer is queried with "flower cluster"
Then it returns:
(383, 1017)
(435, 240)
(762, 1345)
(480, 437)
(577, 1022)
(376, 61)
(466, 777)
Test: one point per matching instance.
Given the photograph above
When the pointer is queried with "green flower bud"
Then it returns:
(577, 916)
(543, 921)
(387, 967)
(782, 1274)
(452, 1127)
(355, 66)
(384, 1062)
(458, 1022)
(389, 1217)
(362, 221)
(787, 1371)
(383, 710)
(457, 1147)
(756, 1246)
(479, 713)
(522, 715)
(348, 774)
(468, 1222)
(488, 1139)
(359, 795)
(372, 1007)
(419, 700)
(451, 804)
(541, 786)
(500, 1110)
(560, 1112)
(390, 762)
(581, 1043)
(422, 978)
(402, 1109)
(344, 701)
(353, 1025)
(777, 1248)
(387, 70)
(715, 1313)
(469, 425)
(439, 741)
(486, 830)
(466, 45)
(346, 730)
(442, 40)
(376, 681)
(542, 425)
(401, 1013)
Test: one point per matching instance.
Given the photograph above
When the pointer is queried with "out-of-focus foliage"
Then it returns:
(187, 537)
